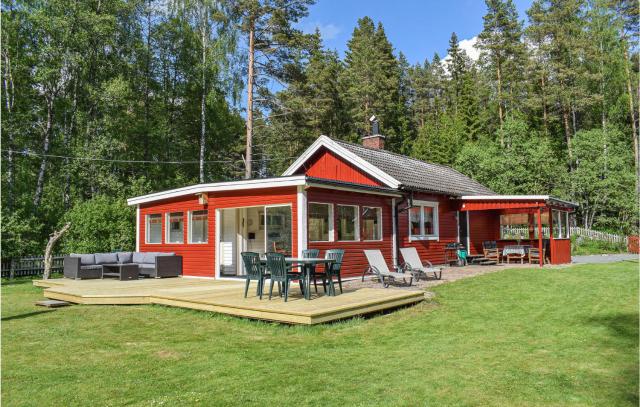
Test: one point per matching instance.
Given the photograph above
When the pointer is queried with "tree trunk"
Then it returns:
(500, 114)
(9, 99)
(545, 117)
(567, 134)
(632, 115)
(204, 94)
(250, 78)
(37, 196)
(53, 238)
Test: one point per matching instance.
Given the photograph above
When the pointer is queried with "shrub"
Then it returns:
(101, 224)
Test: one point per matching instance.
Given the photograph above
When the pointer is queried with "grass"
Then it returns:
(587, 246)
(565, 336)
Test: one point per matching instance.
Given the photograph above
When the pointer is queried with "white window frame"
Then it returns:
(167, 228)
(190, 222)
(436, 221)
(147, 229)
(331, 222)
(564, 233)
(357, 225)
(379, 208)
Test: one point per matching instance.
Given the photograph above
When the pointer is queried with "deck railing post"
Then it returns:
(540, 253)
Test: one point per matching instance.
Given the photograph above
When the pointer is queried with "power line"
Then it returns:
(108, 160)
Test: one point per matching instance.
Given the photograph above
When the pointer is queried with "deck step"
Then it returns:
(52, 303)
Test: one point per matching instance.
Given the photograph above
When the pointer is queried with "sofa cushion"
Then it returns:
(150, 257)
(147, 265)
(138, 257)
(166, 254)
(125, 257)
(85, 259)
(106, 258)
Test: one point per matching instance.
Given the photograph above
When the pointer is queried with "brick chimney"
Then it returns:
(375, 139)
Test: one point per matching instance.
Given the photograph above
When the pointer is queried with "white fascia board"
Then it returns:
(353, 189)
(324, 141)
(505, 197)
(219, 187)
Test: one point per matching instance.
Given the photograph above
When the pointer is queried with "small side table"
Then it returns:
(121, 271)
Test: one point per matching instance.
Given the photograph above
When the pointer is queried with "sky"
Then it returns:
(418, 28)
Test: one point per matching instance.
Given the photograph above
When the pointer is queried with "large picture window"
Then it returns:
(371, 223)
(423, 220)
(514, 226)
(347, 222)
(153, 226)
(175, 227)
(198, 226)
(560, 224)
(320, 222)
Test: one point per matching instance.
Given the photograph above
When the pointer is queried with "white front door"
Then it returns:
(228, 242)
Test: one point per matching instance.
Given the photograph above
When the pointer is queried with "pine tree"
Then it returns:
(502, 52)
(371, 80)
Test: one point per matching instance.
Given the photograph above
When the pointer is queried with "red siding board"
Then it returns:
(354, 261)
(328, 165)
(432, 250)
(483, 226)
(199, 259)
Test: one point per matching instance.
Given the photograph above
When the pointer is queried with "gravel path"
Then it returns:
(603, 258)
(448, 274)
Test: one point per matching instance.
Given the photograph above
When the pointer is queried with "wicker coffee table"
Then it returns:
(120, 271)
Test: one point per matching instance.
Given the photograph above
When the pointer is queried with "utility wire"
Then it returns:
(32, 154)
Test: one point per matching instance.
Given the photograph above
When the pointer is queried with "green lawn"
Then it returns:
(522, 337)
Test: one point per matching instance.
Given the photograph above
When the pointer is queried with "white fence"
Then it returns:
(596, 235)
(514, 232)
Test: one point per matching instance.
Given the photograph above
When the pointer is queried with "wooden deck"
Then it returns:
(227, 297)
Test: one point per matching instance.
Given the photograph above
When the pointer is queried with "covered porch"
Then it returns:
(536, 221)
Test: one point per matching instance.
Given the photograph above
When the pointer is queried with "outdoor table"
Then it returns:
(307, 265)
(520, 250)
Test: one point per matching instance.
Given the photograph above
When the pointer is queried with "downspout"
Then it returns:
(405, 198)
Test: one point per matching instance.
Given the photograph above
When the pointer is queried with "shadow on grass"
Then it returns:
(624, 329)
(26, 315)
(623, 325)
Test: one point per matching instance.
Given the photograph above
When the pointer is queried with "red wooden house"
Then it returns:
(344, 195)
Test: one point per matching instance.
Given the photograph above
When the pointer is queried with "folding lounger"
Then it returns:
(379, 267)
(416, 267)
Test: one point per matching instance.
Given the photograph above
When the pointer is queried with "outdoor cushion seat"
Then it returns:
(138, 257)
(125, 257)
(147, 265)
(85, 259)
(106, 258)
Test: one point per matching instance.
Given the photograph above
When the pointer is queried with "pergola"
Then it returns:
(556, 209)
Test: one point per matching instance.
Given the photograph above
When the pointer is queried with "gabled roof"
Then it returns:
(396, 170)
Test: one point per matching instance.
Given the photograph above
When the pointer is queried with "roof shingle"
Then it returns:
(419, 175)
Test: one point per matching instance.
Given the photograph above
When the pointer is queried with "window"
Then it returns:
(320, 222)
(198, 226)
(371, 223)
(347, 224)
(514, 226)
(154, 228)
(545, 225)
(423, 221)
(175, 227)
(560, 224)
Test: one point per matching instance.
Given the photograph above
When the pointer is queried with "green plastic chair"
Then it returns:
(462, 257)
(313, 254)
(253, 271)
(281, 273)
(333, 269)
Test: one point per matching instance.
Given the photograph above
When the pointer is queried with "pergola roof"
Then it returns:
(493, 202)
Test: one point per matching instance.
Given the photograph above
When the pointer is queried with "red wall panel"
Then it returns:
(354, 261)
(327, 165)
(432, 250)
(198, 259)
(483, 226)
(560, 251)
